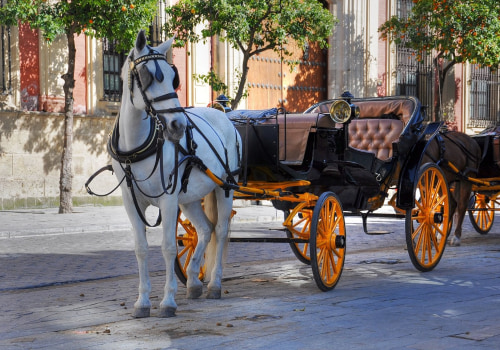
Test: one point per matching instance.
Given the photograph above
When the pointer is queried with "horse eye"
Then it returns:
(145, 77)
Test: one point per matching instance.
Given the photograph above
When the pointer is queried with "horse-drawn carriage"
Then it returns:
(486, 185)
(341, 155)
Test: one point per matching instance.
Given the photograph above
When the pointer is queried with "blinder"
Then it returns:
(145, 77)
(176, 82)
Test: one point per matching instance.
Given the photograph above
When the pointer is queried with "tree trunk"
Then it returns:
(66, 177)
(243, 81)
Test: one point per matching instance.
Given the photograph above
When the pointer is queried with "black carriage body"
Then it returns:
(358, 160)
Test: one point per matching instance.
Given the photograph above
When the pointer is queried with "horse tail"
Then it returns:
(211, 211)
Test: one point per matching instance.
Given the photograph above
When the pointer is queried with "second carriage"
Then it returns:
(485, 199)
(341, 156)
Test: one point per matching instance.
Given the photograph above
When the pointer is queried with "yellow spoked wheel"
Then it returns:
(298, 226)
(428, 224)
(186, 239)
(328, 241)
(482, 212)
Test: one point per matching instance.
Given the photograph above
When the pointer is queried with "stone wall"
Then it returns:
(30, 157)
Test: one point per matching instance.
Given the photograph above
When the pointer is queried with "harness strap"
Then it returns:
(129, 176)
(224, 164)
(442, 147)
(168, 96)
(191, 150)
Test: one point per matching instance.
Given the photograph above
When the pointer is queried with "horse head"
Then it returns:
(152, 82)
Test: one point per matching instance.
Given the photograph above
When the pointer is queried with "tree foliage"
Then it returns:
(251, 26)
(115, 19)
(457, 31)
(460, 31)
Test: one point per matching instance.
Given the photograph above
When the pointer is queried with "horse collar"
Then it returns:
(148, 148)
(151, 146)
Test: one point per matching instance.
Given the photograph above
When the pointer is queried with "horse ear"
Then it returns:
(164, 47)
(140, 42)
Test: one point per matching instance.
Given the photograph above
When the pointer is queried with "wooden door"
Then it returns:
(271, 83)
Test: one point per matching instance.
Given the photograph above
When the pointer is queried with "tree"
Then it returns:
(117, 19)
(251, 26)
(458, 31)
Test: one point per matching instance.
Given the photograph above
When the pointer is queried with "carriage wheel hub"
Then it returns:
(433, 217)
(340, 241)
(438, 218)
(337, 242)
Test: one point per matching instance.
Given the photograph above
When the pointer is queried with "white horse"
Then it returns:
(151, 150)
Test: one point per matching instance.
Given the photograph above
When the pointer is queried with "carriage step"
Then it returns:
(364, 216)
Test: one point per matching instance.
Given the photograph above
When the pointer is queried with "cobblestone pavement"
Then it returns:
(69, 282)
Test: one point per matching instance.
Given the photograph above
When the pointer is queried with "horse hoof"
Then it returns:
(214, 294)
(194, 292)
(167, 312)
(141, 312)
(454, 242)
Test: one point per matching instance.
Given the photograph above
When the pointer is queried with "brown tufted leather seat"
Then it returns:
(375, 135)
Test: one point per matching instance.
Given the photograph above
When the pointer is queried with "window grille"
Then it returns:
(5, 58)
(413, 78)
(112, 64)
(484, 97)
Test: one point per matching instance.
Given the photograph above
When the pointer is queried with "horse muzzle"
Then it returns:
(175, 129)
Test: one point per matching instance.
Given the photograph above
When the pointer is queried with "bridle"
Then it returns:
(144, 78)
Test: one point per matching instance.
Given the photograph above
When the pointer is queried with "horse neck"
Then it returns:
(134, 126)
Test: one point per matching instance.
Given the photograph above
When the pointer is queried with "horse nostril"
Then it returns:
(176, 125)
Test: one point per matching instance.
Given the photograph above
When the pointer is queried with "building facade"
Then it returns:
(31, 95)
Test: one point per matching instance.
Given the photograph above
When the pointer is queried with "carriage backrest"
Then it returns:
(379, 124)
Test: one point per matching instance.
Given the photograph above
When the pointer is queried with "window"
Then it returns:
(112, 64)
(484, 97)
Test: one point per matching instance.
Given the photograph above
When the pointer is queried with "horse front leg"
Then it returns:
(168, 305)
(142, 306)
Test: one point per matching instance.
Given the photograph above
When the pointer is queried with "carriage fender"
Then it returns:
(409, 171)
